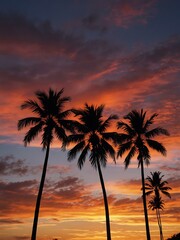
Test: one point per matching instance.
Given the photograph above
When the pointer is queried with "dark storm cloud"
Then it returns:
(9, 165)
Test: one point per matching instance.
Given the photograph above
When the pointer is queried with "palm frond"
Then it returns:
(47, 136)
(156, 146)
(98, 155)
(25, 122)
(129, 156)
(166, 193)
(146, 155)
(149, 122)
(75, 138)
(77, 148)
(106, 124)
(123, 147)
(109, 149)
(61, 135)
(124, 126)
(82, 156)
(122, 137)
(149, 192)
(32, 133)
(111, 136)
(156, 132)
(34, 106)
(64, 114)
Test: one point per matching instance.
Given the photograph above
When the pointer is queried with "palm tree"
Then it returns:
(136, 139)
(154, 184)
(93, 141)
(50, 120)
(156, 203)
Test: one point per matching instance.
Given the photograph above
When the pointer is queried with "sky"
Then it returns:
(121, 53)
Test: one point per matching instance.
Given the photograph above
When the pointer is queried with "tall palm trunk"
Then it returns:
(38, 201)
(108, 231)
(144, 200)
(159, 224)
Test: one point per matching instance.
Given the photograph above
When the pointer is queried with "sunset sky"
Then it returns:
(121, 53)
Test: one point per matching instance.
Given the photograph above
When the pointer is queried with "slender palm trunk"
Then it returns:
(38, 201)
(159, 224)
(105, 202)
(144, 201)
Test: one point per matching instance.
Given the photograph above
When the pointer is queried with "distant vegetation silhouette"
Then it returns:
(50, 120)
(94, 142)
(175, 237)
(154, 186)
(136, 139)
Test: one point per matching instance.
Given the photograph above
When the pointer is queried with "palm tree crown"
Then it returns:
(155, 184)
(155, 203)
(137, 136)
(91, 136)
(50, 119)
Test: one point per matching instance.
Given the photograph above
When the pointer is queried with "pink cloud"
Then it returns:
(128, 12)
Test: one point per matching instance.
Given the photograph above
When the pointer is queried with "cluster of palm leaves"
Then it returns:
(89, 135)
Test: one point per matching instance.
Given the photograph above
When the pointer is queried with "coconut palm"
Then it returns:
(156, 203)
(155, 185)
(50, 120)
(136, 139)
(93, 141)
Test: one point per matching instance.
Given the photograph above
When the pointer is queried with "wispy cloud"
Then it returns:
(10, 165)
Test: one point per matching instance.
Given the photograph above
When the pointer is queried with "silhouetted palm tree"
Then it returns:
(50, 120)
(94, 142)
(154, 184)
(136, 139)
(156, 203)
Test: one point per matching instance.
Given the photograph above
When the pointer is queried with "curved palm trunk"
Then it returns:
(105, 202)
(38, 201)
(144, 200)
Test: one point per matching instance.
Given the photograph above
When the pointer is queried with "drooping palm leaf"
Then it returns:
(156, 146)
(25, 122)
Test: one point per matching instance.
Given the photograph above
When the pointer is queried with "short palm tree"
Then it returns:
(50, 120)
(136, 139)
(93, 141)
(155, 185)
(156, 203)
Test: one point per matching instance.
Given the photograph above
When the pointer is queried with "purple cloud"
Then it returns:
(9, 165)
